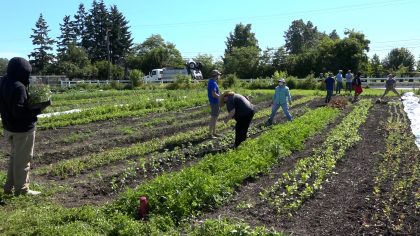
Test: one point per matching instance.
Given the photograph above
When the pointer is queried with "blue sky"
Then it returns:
(201, 27)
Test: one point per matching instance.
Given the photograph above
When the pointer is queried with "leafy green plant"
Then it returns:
(38, 93)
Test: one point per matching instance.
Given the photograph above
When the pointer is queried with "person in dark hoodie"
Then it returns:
(18, 120)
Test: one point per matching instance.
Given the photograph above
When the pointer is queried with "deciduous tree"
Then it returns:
(241, 37)
(399, 57)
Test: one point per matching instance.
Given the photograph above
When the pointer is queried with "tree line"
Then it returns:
(97, 44)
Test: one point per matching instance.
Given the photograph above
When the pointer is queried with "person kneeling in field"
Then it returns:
(240, 109)
(283, 99)
(390, 86)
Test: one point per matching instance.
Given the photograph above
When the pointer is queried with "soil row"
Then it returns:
(335, 210)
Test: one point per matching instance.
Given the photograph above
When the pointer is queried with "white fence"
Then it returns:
(406, 82)
(68, 83)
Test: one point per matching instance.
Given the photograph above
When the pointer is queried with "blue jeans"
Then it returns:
(285, 108)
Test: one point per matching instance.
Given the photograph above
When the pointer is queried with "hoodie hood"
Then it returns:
(19, 69)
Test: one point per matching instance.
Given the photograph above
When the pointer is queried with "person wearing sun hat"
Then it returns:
(240, 109)
(283, 99)
(213, 95)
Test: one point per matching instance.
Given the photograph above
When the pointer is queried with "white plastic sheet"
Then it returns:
(412, 108)
(58, 113)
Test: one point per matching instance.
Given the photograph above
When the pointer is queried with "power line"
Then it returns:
(269, 17)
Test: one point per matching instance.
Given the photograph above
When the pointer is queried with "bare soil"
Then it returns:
(338, 208)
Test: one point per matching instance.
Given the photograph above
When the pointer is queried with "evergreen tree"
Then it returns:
(95, 39)
(41, 54)
(79, 24)
(119, 36)
(67, 35)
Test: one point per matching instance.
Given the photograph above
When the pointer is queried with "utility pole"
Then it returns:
(109, 54)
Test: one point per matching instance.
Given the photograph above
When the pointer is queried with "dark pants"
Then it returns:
(338, 87)
(348, 86)
(329, 95)
(241, 128)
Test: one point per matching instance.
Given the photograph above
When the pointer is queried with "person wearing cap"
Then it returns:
(19, 125)
(349, 80)
(329, 85)
(213, 95)
(390, 86)
(357, 86)
(240, 109)
(283, 99)
(339, 79)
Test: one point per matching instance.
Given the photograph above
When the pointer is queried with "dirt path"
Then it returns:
(337, 208)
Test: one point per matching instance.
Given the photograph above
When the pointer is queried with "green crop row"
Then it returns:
(224, 170)
(213, 180)
(77, 165)
(397, 180)
(300, 183)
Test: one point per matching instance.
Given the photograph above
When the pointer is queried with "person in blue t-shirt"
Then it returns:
(329, 85)
(213, 95)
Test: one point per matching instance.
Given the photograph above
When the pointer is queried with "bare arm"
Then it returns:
(214, 94)
(230, 115)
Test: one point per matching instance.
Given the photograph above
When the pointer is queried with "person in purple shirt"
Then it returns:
(213, 95)
(329, 85)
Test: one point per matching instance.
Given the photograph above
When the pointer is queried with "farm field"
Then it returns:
(352, 169)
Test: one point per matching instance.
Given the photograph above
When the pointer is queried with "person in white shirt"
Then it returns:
(349, 79)
(339, 78)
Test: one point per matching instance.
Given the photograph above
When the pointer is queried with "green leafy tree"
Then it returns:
(242, 53)
(41, 56)
(207, 63)
(241, 37)
(74, 63)
(243, 62)
(377, 67)
(329, 56)
(3, 66)
(266, 66)
(399, 57)
(67, 36)
(359, 37)
(154, 53)
(280, 59)
(418, 64)
(334, 35)
(300, 36)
